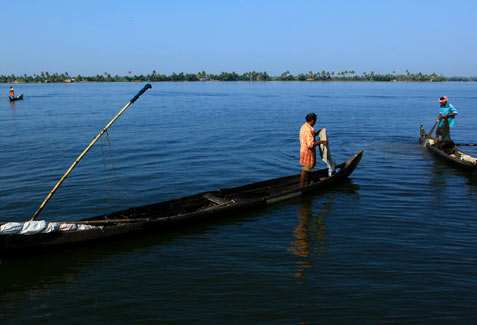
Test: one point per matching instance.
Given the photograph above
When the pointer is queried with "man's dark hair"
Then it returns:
(442, 98)
(311, 117)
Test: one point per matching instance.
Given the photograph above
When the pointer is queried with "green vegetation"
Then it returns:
(45, 77)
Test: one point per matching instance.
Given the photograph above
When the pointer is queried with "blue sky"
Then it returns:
(92, 37)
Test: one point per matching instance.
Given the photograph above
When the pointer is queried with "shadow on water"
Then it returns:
(32, 276)
(441, 170)
(35, 275)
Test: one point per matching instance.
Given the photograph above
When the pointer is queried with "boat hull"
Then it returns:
(202, 206)
(13, 99)
(456, 159)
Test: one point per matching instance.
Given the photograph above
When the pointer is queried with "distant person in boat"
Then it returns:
(448, 112)
(308, 148)
(12, 92)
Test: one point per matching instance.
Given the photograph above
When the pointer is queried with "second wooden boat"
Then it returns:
(449, 152)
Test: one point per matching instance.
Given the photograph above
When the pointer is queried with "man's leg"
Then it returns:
(436, 138)
(303, 178)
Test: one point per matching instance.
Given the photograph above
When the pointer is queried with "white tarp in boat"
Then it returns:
(52, 227)
(33, 227)
(85, 227)
(41, 226)
(469, 159)
(11, 228)
(68, 227)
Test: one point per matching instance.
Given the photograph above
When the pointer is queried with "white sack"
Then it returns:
(11, 228)
(68, 227)
(33, 227)
(52, 227)
(85, 227)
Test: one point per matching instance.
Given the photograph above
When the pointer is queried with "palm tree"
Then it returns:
(284, 75)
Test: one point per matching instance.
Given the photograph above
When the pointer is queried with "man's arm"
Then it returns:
(453, 112)
(317, 143)
(449, 115)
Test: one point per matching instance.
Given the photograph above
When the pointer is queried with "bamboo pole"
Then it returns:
(106, 221)
(428, 136)
(146, 87)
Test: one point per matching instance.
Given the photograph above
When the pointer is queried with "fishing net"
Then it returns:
(110, 170)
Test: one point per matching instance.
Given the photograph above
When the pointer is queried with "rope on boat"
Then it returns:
(112, 180)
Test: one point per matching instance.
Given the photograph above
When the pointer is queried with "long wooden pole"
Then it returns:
(428, 136)
(146, 87)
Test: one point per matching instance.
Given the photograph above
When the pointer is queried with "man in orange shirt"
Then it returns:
(12, 93)
(308, 148)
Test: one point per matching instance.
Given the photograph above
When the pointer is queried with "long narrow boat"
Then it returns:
(453, 155)
(159, 216)
(12, 99)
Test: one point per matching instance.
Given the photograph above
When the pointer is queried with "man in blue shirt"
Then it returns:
(448, 112)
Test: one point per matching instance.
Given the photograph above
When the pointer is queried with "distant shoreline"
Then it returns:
(212, 81)
(347, 76)
(231, 81)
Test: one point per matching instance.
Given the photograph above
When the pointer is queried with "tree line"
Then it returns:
(45, 77)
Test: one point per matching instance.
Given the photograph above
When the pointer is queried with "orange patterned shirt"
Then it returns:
(307, 148)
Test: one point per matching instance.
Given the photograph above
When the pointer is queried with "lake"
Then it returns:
(396, 243)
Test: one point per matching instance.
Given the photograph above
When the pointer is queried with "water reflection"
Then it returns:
(310, 233)
(12, 104)
(442, 169)
(66, 266)
(438, 173)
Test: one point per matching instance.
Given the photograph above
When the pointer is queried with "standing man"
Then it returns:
(448, 112)
(12, 93)
(308, 149)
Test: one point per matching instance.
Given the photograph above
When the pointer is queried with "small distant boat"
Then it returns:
(12, 99)
(449, 152)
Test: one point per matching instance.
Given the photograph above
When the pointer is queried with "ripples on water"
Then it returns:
(394, 244)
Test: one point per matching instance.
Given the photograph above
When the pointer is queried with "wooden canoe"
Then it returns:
(457, 158)
(219, 203)
(12, 99)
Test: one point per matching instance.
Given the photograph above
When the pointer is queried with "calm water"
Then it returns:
(397, 243)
